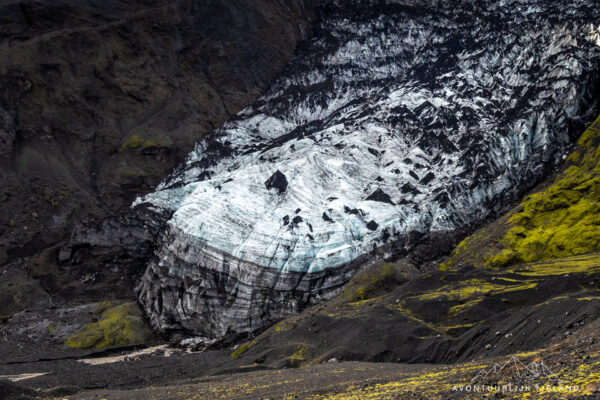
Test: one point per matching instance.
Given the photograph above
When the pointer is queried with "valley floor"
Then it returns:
(568, 368)
(513, 313)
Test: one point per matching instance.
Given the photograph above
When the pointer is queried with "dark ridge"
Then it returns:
(277, 181)
(408, 188)
(427, 178)
(373, 151)
(381, 196)
(372, 225)
(327, 217)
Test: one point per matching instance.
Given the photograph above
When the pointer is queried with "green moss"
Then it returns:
(586, 264)
(461, 308)
(241, 350)
(467, 293)
(105, 305)
(137, 142)
(562, 220)
(477, 248)
(360, 293)
(468, 289)
(299, 356)
(368, 284)
(125, 173)
(412, 316)
(119, 324)
(153, 143)
(133, 142)
(462, 247)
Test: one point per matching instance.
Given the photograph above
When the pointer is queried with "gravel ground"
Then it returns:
(570, 367)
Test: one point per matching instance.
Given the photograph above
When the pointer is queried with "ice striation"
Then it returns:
(397, 118)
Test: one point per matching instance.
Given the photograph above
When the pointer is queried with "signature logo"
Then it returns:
(514, 367)
(516, 377)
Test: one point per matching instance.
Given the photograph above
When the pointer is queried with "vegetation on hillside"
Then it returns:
(137, 142)
(120, 324)
(561, 220)
(545, 256)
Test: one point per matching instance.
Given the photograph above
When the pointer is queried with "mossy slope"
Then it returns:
(119, 324)
(445, 316)
(137, 142)
(561, 220)
(374, 281)
(548, 285)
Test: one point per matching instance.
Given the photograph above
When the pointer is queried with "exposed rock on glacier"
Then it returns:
(398, 119)
(277, 181)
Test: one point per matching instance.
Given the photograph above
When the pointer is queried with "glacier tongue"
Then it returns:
(397, 117)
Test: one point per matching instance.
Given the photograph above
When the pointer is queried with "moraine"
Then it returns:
(396, 119)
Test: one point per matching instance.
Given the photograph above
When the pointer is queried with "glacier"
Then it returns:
(397, 118)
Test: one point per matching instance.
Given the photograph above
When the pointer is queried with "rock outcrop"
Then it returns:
(398, 120)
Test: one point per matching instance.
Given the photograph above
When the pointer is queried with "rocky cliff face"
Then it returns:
(398, 120)
(100, 99)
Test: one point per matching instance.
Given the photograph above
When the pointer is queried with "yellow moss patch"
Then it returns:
(588, 298)
(586, 263)
(241, 350)
(447, 328)
(410, 315)
(560, 220)
(453, 311)
(137, 142)
(361, 303)
(585, 376)
(133, 142)
(427, 385)
(564, 219)
(528, 354)
(462, 247)
(127, 173)
(366, 284)
(119, 325)
(474, 287)
(438, 328)
(477, 248)
(468, 292)
(299, 355)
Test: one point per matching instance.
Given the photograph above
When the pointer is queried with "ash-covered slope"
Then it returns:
(100, 99)
(398, 119)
